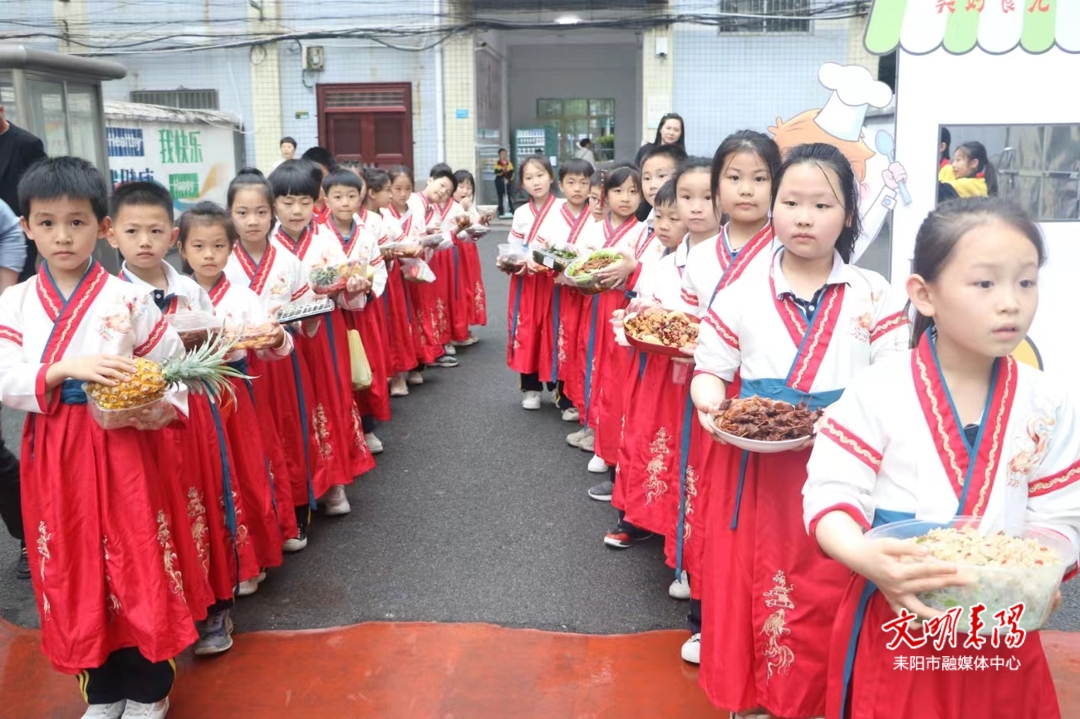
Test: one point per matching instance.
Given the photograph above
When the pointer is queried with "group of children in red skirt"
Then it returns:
(769, 548)
(144, 537)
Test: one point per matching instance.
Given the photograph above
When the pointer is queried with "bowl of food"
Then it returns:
(253, 337)
(556, 260)
(766, 426)
(659, 331)
(581, 272)
(1000, 568)
(334, 278)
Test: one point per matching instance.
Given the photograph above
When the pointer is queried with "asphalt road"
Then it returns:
(477, 512)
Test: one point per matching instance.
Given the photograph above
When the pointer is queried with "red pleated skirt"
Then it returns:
(330, 405)
(431, 320)
(370, 322)
(576, 324)
(446, 288)
(400, 330)
(256, 504)
(1016, 683)
(524, 315)
(100, 542)
(770, 594)
(282, 399)
(649, 460)
(473, 274)
(544, 312)
(596, 342)
(208, 457)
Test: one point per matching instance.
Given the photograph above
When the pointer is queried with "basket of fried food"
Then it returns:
(662, 332)
(334, 278)
(253, 337)
(581, 272)
(556, 259)
(762, 425)
(395, 250)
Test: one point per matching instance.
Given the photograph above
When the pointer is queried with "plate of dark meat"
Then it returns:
(767, 426)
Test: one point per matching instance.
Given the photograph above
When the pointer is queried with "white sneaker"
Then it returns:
(105, 711)
(373, 443)
(597, 465)
(691, 649)
(449, 349)
(138, 710)
(531, 400)
(414, 378)
(335, 503)
(680, 588)
(571, 415)
(574, 438)
(295, 544)
(250, 586)
(473, 339)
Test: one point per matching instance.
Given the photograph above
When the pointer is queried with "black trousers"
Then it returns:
(502, 192)
(531, 383)
(10, 493)
(127, 674)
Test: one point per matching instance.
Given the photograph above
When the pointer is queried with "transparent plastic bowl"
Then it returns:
(996, 587)
(156, 414)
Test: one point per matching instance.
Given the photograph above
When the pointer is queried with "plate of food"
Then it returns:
(581, 271)
(1000, 568)
(302, 310)
(659, 331)
(394, 250)
(556, 260)
(253, 337)
(333, 278)
(766, 426)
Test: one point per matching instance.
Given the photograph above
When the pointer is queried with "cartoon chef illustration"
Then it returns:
(840, 123)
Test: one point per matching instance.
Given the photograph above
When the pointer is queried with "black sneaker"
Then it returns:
(22, 566)
(602, 492)
(625, 536)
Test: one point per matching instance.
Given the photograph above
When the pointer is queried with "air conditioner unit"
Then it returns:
(314, 57)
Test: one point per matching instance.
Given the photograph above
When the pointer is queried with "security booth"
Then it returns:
(58, 98)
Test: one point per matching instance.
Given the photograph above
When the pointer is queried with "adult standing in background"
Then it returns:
(504, 183)
(18, 150)
(585, 152)
(670, 131)
(12, 259)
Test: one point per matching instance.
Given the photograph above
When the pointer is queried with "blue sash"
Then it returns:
(71, 392)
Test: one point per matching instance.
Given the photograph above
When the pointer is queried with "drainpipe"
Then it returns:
(440, 110)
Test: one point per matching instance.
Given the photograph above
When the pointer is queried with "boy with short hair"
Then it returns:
(105, 569)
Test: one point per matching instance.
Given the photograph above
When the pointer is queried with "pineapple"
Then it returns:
(202, 369)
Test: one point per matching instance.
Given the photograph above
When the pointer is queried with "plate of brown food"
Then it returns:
(580, 272)
(766, 426)
(662, 332)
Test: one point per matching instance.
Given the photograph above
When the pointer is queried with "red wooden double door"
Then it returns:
(368, 121)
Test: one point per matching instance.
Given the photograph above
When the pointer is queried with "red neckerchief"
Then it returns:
(301, 246)
(612, 235)
(539, 216)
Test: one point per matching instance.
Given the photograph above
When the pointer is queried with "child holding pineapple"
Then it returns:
(208, 486)
(105, 570)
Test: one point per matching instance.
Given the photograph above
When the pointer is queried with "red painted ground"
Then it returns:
(442, 671)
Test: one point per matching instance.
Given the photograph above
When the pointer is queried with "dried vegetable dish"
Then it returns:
(332, 278)
(662, 327)
(765, 420)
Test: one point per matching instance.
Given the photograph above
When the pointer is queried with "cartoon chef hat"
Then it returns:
(854, 90)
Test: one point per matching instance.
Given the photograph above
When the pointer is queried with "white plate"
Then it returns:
(757, 445)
